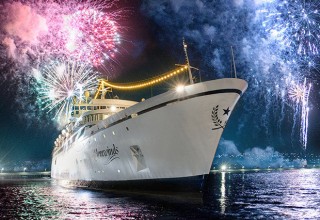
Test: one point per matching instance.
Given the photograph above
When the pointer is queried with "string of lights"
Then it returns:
(145, 83)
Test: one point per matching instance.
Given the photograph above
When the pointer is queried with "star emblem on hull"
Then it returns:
(226, 111)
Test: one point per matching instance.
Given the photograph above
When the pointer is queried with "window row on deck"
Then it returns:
(94, 107)
(93, 117)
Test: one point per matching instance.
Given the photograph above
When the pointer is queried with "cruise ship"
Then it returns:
(169, 138)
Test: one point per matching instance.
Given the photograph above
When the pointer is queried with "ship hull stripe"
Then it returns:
(187, 184)
(219, 91)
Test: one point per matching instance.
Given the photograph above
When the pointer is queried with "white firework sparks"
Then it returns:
(300, 95)
(296, 24)
(60, 83)
(297, 93)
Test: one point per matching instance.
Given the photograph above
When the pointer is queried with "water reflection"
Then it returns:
(287, 194)
(45, 199)
(300, 197)
(223, 193)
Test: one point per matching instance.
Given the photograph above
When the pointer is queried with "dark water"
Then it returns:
(286, 194)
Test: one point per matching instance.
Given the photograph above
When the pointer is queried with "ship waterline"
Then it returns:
(172, 135)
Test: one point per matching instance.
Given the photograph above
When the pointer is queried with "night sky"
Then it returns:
(152, 33)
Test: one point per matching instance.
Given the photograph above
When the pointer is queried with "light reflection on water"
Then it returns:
(287, 194)
(223, 193)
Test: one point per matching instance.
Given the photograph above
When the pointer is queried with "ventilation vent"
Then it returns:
(138, 158)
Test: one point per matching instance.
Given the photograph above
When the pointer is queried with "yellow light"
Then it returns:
(113, 108)
(131, 86)
(180, 88)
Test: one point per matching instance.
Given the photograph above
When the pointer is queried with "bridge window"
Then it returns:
(103, 107)
(89, 107)
(82, 107)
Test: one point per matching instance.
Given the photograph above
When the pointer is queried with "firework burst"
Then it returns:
(92, 36)
(299, 94)
(33, 32)
(59, 84)
(296, 23)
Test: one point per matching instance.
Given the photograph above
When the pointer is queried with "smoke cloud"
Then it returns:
(21, 28)
(24, 23)
(255, 157)
(11, 47)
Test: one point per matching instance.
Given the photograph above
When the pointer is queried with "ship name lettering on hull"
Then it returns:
(110, 153)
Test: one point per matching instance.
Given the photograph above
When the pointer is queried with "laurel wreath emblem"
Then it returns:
(216, 120)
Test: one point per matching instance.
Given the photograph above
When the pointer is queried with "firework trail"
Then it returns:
(59, 84)
(305, 116)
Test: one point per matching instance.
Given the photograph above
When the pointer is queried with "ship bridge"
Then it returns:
(99, 109)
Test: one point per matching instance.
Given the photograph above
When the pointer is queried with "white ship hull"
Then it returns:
(172, 135)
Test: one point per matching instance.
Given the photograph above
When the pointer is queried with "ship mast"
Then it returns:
(187, 60)
(234, 64)
(103, 84)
